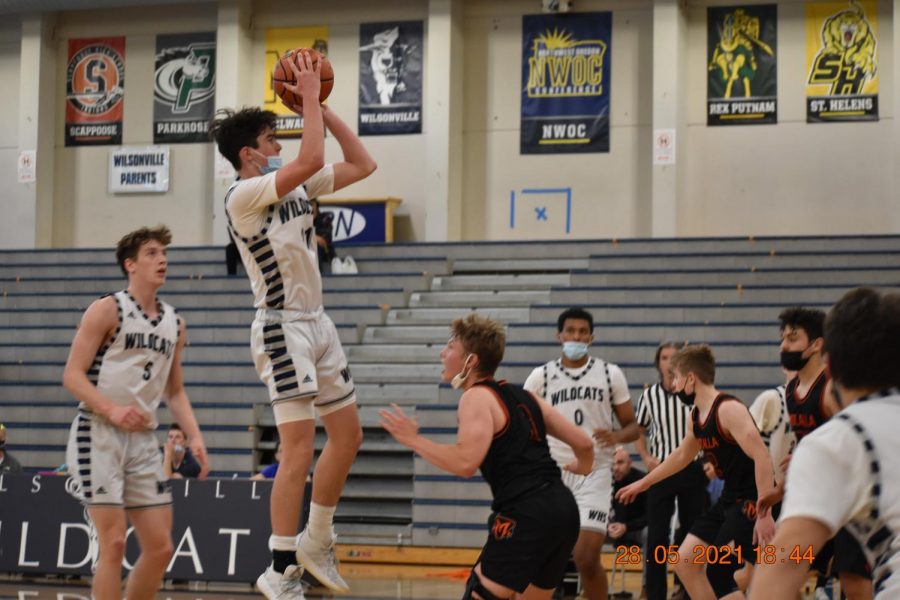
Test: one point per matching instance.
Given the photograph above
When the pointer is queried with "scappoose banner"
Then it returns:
(184, 87)
(742, 81)
(565, 83)
(220, 533)
(95, 86)
(842, 61)
(278, 42)
(390, 78)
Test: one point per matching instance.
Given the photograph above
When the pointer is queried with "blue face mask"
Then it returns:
(575, 350)
(273, 164)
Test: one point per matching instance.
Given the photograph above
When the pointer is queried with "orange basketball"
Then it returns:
(283, 74)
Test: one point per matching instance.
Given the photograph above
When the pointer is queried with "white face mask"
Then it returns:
(460, 377)
(575, 350)
(178, 448)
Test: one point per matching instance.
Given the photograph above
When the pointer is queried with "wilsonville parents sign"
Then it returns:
(139, 169)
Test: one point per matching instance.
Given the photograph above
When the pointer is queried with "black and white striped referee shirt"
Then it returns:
(666, 419)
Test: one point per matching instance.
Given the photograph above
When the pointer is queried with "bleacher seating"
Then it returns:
(393, 320)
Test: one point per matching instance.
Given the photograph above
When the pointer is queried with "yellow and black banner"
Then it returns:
(742, 81)
(278, 42)
(842, 61)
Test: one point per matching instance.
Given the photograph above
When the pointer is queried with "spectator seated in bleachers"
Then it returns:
(178, 462)
(269, 472)
(628, 523)
(715, 485)
(8, 463)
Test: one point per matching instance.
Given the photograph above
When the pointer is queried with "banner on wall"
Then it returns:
(184, 87)
(95, 87)
(742, 82)
(139, 169)
(280, 40)
(565, 83)
(842, 61)
(390, 78)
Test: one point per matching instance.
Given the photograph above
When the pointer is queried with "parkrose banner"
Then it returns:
(742, 80)
(565, 83)
(842, 61)
(390, 78)
(279, 40)
(95, 87)
(184, 87)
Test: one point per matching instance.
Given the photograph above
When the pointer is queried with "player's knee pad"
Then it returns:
(474, 585)
(721, 578)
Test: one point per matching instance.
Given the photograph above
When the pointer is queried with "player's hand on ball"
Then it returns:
(398, 424)
(307, 78)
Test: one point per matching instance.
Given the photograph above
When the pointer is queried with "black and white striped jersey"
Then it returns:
(277, 240)
(666, 419)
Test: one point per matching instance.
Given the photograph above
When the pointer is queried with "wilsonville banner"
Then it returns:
(565, 83)
(742, 84)
(390, 78)
(95, 86)
(278, 42)
(842, 61)
(184, 87)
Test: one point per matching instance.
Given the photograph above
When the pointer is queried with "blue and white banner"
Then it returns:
(565, 83)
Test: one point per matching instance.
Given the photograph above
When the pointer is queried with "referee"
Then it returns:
(664, 419)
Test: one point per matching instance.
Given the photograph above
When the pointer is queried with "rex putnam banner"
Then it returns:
(742, 81)
(278, 42)
(842, 61)
(95, 86)
(184, 87)
(565, 83)
(390, 78)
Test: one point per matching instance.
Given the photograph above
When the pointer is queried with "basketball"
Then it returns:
(283, 74)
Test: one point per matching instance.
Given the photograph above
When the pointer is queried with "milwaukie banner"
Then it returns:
(565, 83)
(390, 78)
(95, 89)
(842, 61)
(220, 533)
(184, 87)
(742, 81)
(279, 40)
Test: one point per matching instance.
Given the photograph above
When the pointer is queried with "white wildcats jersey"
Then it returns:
(586, 397)
(770, 413)
(132, 368)
(277, 241)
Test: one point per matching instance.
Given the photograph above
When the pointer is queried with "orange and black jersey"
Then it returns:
(723, 452)
(518, 460)
(806, 413)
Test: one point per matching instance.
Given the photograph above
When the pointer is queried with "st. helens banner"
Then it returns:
(390, 78)
(184, 87)
(742, 82)
(842, 61)
(565, 83)
(95, 89)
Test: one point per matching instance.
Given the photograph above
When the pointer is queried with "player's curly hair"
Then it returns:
(810, 320)
(232, 130)
(130, 244)
(482, 337)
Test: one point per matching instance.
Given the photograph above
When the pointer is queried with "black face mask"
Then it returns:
(794, 361)
(686, 398)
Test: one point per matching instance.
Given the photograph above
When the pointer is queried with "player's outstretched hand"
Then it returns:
(198, 449)
(764, 530)
(129, 418)
(766, 501)
(606, 437)
(628, 493)
(398, 424)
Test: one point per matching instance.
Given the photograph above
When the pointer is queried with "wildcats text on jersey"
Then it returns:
(291, 208)
(157, 343)
(577, 393)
